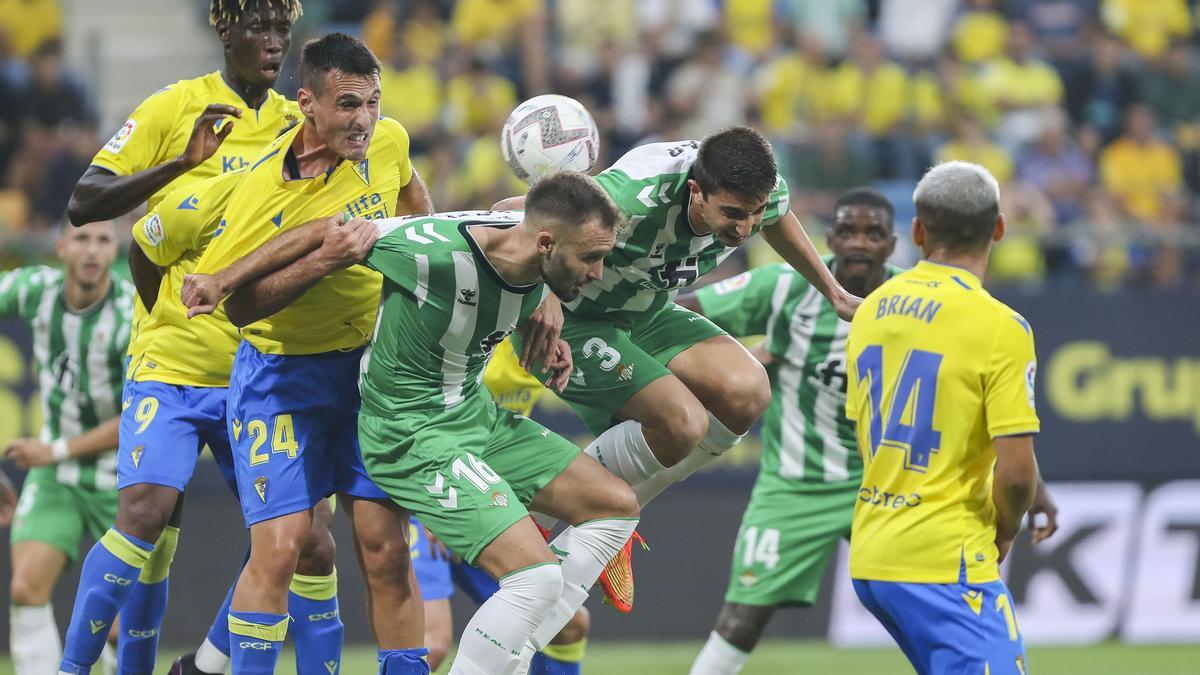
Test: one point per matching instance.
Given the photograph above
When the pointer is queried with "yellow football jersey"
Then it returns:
(337, 313)
(936, 369)
(512, 387)
(160, 127)
(170, 347)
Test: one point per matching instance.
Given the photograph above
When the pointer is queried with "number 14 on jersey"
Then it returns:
(908, 406)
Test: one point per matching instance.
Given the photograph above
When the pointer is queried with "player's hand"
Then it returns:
(205, 140)
(436, 548)
(28, 452)
(561, 365)
(1043, 503)
(201, 294)
(347, 243)
(1004, 545)
(8, 500)
(539, 335)
(846, 305)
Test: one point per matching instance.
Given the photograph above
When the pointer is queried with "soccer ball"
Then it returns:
(549, 133)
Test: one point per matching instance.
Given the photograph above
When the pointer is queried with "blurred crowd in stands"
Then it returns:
(1087, 111)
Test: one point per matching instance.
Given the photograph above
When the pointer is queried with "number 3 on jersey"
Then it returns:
(909, 406)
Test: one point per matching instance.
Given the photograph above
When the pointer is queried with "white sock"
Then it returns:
(108, 659)
(585, 550)
(715, 443)
(719, 658)
(491, 643)
(33, 640)
(209, 659)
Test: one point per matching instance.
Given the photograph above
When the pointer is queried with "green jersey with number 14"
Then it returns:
(806, 435)
(79, 359)
(657, 251)
(444, 308)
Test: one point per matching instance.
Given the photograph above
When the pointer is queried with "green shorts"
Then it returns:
(787, 536)
(617, 355)
(58, 514)
(466, 473)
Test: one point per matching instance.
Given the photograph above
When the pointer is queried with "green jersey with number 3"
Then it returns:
(806, 435)
(444, 308)
(657, 251)
(78, 356)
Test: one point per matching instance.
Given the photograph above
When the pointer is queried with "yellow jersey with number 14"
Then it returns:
(936, 369)
(338, 313)
(170, 347)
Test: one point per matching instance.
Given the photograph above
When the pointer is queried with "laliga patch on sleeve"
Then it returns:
(1030, 377)
(732, 284)
(153, 230)
(119, 139)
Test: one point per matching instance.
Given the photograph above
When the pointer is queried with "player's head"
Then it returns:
(574, 222)
(339, 93)
(958, 210)
(88, 252)
(861, 237)
(732, 177)
(256, 35)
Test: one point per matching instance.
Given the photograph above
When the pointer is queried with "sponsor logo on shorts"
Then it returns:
(499, 499)
(97, 625)
(331, 666)
(116, 580)
(974, 600)
(1021, 665)
(625, 372)
(888, 500)
(323, 616)
(747, 579)
(237, 429)
(260, 486)
(259, 646)
(142, 634)
(126, 403)
(136, 454)
(466, 296)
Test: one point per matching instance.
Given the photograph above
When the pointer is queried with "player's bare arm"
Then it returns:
(789, 240)
(8, 500)
(147, 277)
(201, 293)
(102, 195)
(26, 453)
(414, 198)
(1043, 504)
(1014, 486)
(342, 247)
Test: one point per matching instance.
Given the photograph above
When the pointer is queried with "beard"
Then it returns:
(560, 281)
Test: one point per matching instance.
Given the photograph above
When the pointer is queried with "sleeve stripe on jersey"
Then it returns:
(422, 290)
(778, 296)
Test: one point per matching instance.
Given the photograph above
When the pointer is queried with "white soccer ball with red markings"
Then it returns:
(549, 133)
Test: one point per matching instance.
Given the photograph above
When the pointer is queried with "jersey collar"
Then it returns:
(481, 257)
(954, 273)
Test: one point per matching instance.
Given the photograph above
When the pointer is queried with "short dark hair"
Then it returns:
(958, 203)
(571, 198)
(232, 11)
(737, 160)
(335, 51)
(866, 196)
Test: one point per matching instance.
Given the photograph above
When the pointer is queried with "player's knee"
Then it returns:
(680, 426)
(318, 553)
(744, 396)
(28, 592)
(144, 519)
(576, 629)
(386, 562)
(623, 502)
(742, 625)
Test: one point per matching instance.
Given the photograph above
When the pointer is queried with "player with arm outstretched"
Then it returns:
(181, 135)
(293, 391)
(803, 499)
(644, 364)
(940, 381)
(455, 285)
(80, 319)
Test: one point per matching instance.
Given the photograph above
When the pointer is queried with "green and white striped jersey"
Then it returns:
(79, 358)
(657, 252)
(443, 309)
(806, 434)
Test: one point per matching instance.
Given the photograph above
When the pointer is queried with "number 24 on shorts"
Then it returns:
(282, 433)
